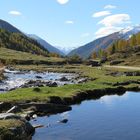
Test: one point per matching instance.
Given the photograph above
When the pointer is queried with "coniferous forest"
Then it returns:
(20, 42)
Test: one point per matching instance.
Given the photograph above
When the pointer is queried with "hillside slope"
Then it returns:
(13, 38)
(46, 45)
(127, 52)
(20, 42)
(86, 50)
(8, 56)
(104, 42)
(7, 26)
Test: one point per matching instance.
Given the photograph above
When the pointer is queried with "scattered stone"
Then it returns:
(2, 90)
(38, 80)
(63, 121)
(64, 79)
(38, 77)
(52, 84)
(34, 116)
(39, 83)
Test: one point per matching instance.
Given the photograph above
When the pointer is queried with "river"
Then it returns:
(108, 118)
(16, 79)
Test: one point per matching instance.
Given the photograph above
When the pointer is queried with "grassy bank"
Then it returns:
(9, 56)
(101, 76)
(102, 84)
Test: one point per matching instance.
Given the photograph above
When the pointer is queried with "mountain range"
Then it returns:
(46, 45)
(10, 28)
(84, 51)
(102, 43)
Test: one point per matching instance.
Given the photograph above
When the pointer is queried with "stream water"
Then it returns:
(15, 79)
(108, 118)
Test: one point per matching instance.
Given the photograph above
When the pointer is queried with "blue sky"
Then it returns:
(70, 23)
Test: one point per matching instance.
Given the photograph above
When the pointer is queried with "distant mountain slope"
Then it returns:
(12, 38)
(86, 50)
(46, 45)
(126, 52)
(5, 25)
(20, 42)
(104, 42)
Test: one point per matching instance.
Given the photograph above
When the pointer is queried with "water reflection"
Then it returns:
(65, 115)
(95, 119)
(110, 100)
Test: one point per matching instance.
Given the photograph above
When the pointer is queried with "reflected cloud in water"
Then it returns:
(65, 115)
(110, 100)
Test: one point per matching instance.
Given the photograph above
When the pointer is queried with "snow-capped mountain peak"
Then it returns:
(125, 30)
(126, 33)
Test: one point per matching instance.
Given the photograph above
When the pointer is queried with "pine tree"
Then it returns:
(138, 38)
(94, 55)
(133, 41)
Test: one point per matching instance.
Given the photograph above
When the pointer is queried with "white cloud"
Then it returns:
(101, 14)
(115, 20)
(104, 31)
(111, 24)
(85, 35)
(62, 1)
(69, 22)
(15, 13)
(110, 7)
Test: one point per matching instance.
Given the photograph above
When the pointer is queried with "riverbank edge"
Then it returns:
(65, 103)
(92, 94)
(61, 104)
(75, 99)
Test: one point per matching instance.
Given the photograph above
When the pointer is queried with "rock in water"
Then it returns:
(64, 79)
(38, 77)
(63, 121)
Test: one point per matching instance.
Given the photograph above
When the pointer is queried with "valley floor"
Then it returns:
(101, 81)
(99, 78)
